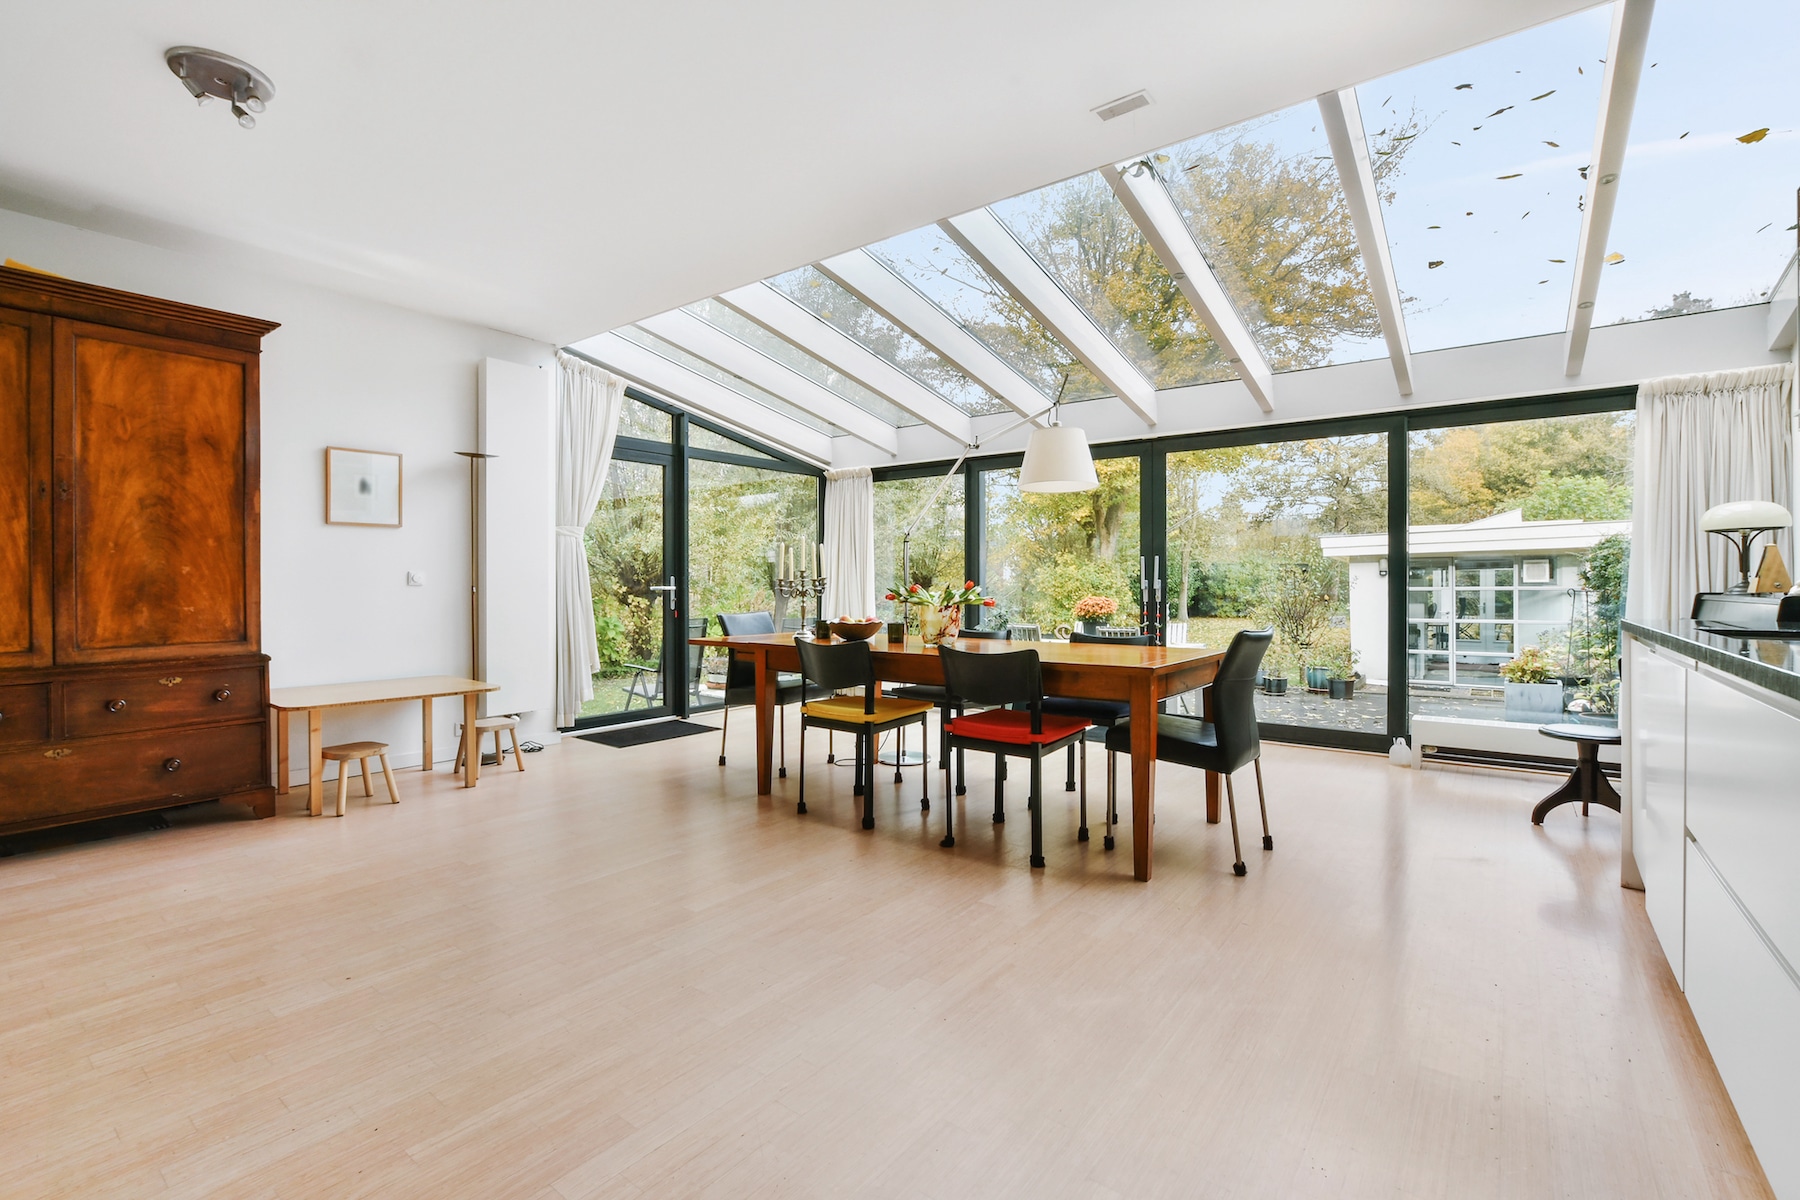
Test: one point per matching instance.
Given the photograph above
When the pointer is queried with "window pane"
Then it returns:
(1289, 535)
(1705, 219)
(701, 438)
(737, 516)
(937, 541)
(637, 420)
(743, 329)
(1048, 551)
(742, 387)
(1080, 233)
(1494, 506)
(1484, 152)
(1263, 202)
(625, 560)
(851, 317)
(943, 273)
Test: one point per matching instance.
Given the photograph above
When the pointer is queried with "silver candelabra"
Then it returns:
(806, 587)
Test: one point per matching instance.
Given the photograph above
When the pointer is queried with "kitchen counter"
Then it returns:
(1772, 663)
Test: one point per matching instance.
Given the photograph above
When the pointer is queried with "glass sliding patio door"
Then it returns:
(1290, 535)
(1044, 554)
(634, 592)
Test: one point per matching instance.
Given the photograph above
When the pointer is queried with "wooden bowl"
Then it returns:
(857, 631)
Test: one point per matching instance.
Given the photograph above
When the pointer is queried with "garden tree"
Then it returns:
(1471, 472)
(1042, 546)
(937, 542)
(1337, 485)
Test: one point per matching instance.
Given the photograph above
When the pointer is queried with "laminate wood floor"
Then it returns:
(620, 974)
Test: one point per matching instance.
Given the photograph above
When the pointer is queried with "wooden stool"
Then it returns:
(1586, 783)
(493, 725)
(352, 751)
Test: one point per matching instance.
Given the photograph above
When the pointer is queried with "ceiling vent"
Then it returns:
(1123, 105)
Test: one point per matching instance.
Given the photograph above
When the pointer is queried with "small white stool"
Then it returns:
(350, 752)
(493, 725)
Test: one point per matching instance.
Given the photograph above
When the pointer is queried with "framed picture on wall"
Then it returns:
(362, 487)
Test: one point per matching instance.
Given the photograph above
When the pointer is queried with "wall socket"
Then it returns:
(415, 579)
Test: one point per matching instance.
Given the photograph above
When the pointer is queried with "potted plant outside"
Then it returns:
(1336, 662)
(1091, 610)
(1534, 690)
(1275, 670)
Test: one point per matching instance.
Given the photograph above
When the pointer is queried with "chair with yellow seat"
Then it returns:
(843, 665)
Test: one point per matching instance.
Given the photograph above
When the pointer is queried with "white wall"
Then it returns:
(1369, 619)
(346, 372)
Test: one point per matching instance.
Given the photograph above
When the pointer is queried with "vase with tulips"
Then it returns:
(940, 608)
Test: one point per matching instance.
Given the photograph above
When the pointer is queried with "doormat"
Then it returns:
(638, 735)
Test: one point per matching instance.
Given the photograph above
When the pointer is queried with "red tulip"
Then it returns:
(891, 596)
(970, 583)
(989, 602)
(913, 588)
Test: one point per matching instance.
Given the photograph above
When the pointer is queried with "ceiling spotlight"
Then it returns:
(207, 73)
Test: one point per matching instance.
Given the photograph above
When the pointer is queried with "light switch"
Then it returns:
(415, 579)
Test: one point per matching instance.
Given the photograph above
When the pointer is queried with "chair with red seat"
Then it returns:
(1007, 678)
(838, 666)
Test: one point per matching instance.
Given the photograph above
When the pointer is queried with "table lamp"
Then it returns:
(1738, 523)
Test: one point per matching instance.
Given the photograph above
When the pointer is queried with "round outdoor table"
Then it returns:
(1586, 784)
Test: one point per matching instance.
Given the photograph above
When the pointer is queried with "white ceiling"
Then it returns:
(558, 169)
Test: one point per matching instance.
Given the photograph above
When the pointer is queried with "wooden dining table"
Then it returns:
(1144, 676)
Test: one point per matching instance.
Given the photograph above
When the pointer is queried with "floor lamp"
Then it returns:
(475, 458)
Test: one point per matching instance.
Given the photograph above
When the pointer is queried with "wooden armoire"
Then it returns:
(131, 671)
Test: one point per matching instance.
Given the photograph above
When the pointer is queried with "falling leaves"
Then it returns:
(1524, 214)
(1546, 95)
(1765, 227)
(1434, 227)
(1684, 135)
(1614, 259)
(1553, 145)
(1455, 143)
(1434, 264)
(1543, 281)
(1584, 170)
(1754, 136)
(1514, 175)
(1559, 260)
(1462, 87)
(1497, 112)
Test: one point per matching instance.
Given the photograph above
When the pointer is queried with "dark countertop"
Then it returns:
(1772, 663)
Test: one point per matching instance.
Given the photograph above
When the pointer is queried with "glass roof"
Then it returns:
(823, 298)
(1482, 156)
(1263, 202)
(943, 273)
(742, 387)
(1706, 215)
(1080, 233)
(743, 329)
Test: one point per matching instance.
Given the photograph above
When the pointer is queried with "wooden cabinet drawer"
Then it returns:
(24, 713)
(178, 765)
(127, 703)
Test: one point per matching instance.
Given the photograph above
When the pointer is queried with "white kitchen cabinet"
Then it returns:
(1658, 786)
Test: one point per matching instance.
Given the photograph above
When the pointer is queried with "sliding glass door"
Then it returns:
(686, 529)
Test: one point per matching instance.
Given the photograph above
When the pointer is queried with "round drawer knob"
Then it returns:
(173, 764)
(222, 695)
(115, 706)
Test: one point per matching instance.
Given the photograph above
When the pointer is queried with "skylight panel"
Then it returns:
(1705, 215)
(1081, 235)
(1263, 202)
(1481, 158)
(754, 336)
(943, 273)
(856, 320)
(726, 379)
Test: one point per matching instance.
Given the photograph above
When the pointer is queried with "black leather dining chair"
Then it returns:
(948, 706)
(1224, 744)
(740, 680)
(1016, 725)
(1105, 713)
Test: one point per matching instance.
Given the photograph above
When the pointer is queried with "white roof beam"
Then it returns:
(1356, 172)
(709, 399)
(862, 274)
(799, 328)
(1618, 96)
(702, 340)
(989, 243)
(1148, 202)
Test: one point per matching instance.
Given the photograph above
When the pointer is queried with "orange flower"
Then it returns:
(989, 602)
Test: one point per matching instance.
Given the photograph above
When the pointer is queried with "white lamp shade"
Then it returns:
(1745, 514)
(1057, 459)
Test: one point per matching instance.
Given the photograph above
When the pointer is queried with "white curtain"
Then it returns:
(849, 563)
(1703, 440)
(589, 403)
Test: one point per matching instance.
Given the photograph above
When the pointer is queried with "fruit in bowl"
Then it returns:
(855, 631)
